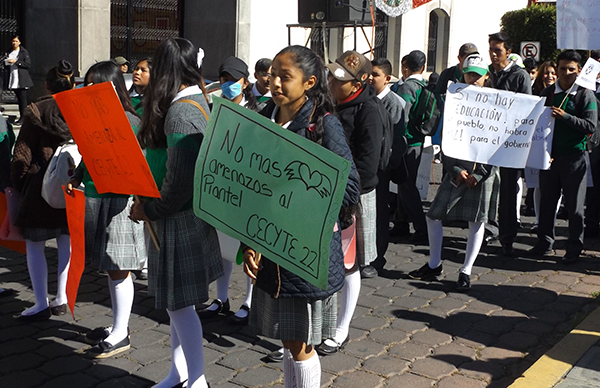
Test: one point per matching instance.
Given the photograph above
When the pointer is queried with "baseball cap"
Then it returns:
(474, 63)
(467, 49)
(234, 66)
(351, 66)
(120, 60)
(516, 58)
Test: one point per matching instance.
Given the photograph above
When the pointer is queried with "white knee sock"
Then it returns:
(308, 372)
(350, 293)
(476, 234)
(63, 243)
(519, 197)
(289, 372)
(241, 313)
(435, 231)
(178, 372)
(189, 331)
(123, 291)
(223, 284)
(38, 272)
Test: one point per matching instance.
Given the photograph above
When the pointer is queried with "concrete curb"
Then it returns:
(558, 361)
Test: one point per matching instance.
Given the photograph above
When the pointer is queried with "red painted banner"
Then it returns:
(418, 3)
(76, 221)
(18, 246)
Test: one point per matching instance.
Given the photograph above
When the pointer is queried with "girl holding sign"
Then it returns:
(189, 258)
(469, 192)
(284, 306)
(113, 243)
(43, 130)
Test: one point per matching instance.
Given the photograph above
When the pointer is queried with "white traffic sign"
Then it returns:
(531, 50)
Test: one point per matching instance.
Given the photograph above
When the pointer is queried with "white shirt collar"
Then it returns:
(274, 114)
(243, 102)
(384, 92)
(189, 91)
(558, 89)
(415, 76)
(258, 94)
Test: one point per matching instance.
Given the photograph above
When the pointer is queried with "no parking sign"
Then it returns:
(531, 50)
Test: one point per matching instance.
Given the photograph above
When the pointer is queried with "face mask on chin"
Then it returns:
(231, 89)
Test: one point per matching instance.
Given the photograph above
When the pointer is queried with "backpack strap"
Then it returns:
(187, 100)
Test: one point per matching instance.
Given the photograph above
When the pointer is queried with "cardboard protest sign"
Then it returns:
(588, 75)
(270, 188)
(577, 24)
(18, 246)
(496, 127)
(76, 222)
(106, 141)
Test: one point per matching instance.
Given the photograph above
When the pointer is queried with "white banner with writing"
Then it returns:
(497, 127)
(578, 24)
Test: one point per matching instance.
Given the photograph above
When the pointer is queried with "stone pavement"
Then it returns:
(405, 332)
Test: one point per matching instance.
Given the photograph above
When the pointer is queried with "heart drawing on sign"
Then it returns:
(314, 180)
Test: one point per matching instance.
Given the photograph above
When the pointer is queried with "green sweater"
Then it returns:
(408, 92)
(571, 131)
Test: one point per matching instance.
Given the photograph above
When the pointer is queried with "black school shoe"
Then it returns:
(97, 335)
(105, 349)
(426, 273)
(223, 307)
(464, 282)
(324, 350)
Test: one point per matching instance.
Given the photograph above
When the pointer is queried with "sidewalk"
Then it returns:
(405, 332)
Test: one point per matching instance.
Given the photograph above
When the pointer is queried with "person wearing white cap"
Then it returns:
(469, 192)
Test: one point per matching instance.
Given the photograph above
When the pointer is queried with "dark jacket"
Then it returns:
(279, 282)
(450, 74)
(43, 130)
(514, 79)
(23, 63)
(363, 127)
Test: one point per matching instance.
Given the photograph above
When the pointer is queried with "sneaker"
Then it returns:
(425, 272)
(464, 282)
(105, 349)
(368, 272)
(97, 335)
(276, 356)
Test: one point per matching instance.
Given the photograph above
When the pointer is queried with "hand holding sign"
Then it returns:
(106, 141)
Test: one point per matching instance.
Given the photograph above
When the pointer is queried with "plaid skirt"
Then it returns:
(189, 260)
(112, 241)
(477, 204)
(43, 234)
(293, 319)
(366, 228)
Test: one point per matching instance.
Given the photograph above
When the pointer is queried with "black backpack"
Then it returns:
(425, 114)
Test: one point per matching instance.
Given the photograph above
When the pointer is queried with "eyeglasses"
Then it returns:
(264, 74)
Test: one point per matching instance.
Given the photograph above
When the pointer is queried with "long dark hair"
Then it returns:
(60, 77)
(251, 101)
(175, 63)
(538, 84)
(311, 64)
(106, 71)
(148, 60)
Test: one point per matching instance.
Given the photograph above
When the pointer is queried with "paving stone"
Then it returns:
(111, 368)
(459, 381)
(562, 278)
(432, 368)
(525, 280)
(454, 353)
(219, 373)
(411, 303)
(518, 340)
(392, 292)
(428, 293)
(59, 366)
(482, 370)
(497, 325)
(557, 288)
(154, 372)
(476, 339)
(409, 380)
(20, 362)
(523, 306)
(591, 279)
(482, 307)
(583, 288)
(24, 379)
(358, 379)
(499, 355)
(20, 346)
(534, 326)
(448, 304)
(549, 317)
(124, 382)
(147, 355)
(83, 381)
(369, 323)
(257, 377)
(432, 337)
(373, 301)
(340, 363)
(385, 365)
(241, 360)
(389, 336)
(493, 278)
(145, 338)
(408, 325)
(410, 351)
(365, 348)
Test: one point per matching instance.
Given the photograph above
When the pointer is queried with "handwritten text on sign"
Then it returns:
(271, 189)
(578, 24)
(106, 141)
(495, 127)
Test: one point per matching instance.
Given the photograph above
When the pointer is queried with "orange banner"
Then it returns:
(18, 246)
(76, 221)
(106, 141)
(418, 3)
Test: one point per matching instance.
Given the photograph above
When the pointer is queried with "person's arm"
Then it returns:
(589, 116)
(524, 83)
(23, 61)
(183, 143)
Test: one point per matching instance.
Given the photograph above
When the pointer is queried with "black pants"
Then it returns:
(21, 95)
(567, 173)
(383, 212)
(592, 199)
(410, 207)
(507, 208)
